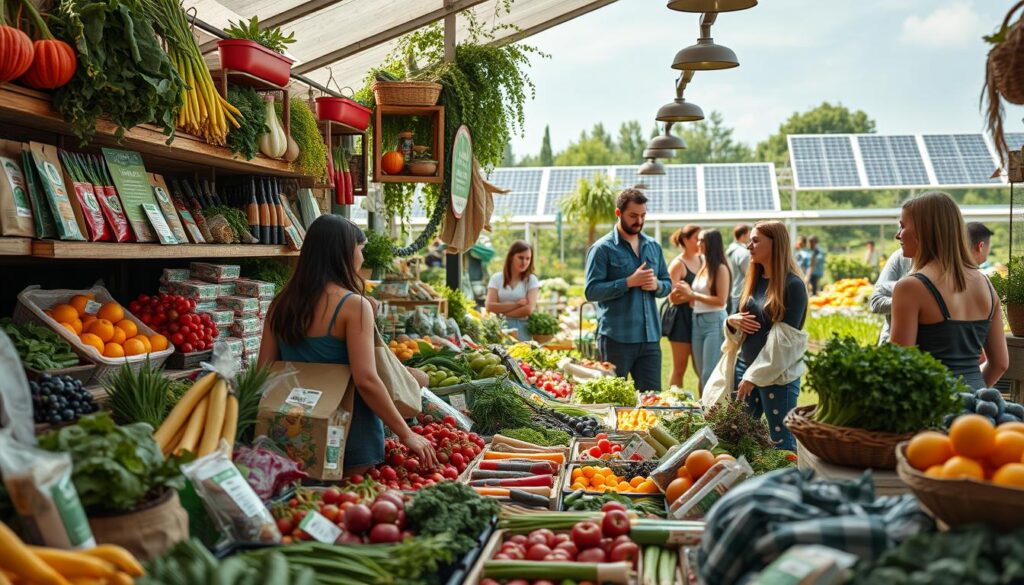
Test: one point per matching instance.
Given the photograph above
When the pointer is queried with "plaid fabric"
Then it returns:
(759, 519)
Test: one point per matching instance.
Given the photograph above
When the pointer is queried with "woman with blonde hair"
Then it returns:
(769, 359)
(677, 314)
(709, 295)
(946, 306)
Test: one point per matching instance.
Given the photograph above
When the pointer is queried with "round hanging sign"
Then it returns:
(462, 170)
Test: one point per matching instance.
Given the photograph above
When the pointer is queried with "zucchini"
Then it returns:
(573, 497)
(662, 436)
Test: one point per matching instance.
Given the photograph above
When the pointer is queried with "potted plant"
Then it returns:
(256, 52)
(421, 164)
(1010, 289)
(542, 327)
(128, 488)
(378, 254)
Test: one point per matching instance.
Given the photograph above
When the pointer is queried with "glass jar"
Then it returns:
(405, 144)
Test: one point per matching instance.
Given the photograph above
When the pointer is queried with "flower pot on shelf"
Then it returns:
(1015, 318)
(423, 168)
(542, 339)
(254, 59)
(344, 111)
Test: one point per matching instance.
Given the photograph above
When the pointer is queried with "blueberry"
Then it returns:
(44, 377)
(67, 414)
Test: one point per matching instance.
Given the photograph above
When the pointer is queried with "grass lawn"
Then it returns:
(690, 378)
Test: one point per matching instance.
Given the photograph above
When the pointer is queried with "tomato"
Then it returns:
(186, 348)
(177, 338)
(184, 330)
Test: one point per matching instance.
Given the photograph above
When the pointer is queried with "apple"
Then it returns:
(384, 512)
(586, 535)
(537, 552)
(615, 523)
(609, 506)
(626, 551)
(568, 547)
(591, 555)
(349, 538)
(385, 533)
(358, 518)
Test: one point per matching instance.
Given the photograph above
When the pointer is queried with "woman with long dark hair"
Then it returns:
(513, 291)
(709, 295)
(677, 315)
(321, 316)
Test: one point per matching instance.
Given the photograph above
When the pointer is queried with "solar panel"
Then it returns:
(739, 187)
(673, 192)
(823, 161)
(525, 186)
(892, 160)
(960, 159)
(562, 182)
(1014, 140)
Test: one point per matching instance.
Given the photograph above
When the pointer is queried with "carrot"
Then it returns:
(230, 422)
(194, 428)
(180, 413)
(74, 564)
(214, 419)
(119, 557)
(556, 457)
(493, 492)
(20, 561)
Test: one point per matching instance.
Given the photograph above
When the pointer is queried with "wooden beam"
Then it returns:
(384, 36)
(560, 19)
(450, 32)
(292, 14)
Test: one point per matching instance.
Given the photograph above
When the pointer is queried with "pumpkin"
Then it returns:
(15, 51)
(392, 162)
(53, 66)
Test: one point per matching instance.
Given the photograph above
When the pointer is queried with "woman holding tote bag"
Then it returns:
(320, 317)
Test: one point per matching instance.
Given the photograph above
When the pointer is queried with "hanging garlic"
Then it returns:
(274, 143)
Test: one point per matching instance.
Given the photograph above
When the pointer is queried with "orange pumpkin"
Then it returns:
(392, 162)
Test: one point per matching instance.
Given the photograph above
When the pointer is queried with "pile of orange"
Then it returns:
(108, 330)
(696, 465)
(603, 479)
(974, 449)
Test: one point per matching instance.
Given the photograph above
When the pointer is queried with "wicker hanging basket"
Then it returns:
(406, 93)
(844, 445)
(1004, 75)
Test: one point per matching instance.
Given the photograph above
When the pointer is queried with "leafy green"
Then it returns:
(123, 72)
(886, 388)
(1010, 288)
(235, 217)
(457, 304)
(453, 508)
(864, 327)
(542, 324)
(305, 129)
(378, 254)
(606, 390)
(115, 468)
(267, 271)
(270, 37)
(841, 267)
(497, 406)
(245, 140)
(490, 329)
(38, 346)
(539, 436)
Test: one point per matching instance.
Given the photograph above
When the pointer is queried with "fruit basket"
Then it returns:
(963, 501)
(406, 93)
(844, 445)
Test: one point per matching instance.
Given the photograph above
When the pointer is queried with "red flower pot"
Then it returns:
(344, 111)
(254, 59)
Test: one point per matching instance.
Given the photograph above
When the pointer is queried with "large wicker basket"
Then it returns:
(844, 445)
(964, 501)
(406, 93)
(1004, 77)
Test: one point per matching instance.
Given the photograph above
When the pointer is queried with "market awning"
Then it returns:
(350, 37)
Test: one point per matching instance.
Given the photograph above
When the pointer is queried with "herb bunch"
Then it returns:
(249, 386)
(496, 406)
(541, 323)
(378, 254)
(139, 397)
(245, 140)
(271, 38)
(305, 129)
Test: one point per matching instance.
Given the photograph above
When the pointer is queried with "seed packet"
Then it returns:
(42, 217)
(85, 201)
(51, 178)
(163, 199)
(15, 205)
(129, 176)
(106, 193)
(156, 219)
(188, 222)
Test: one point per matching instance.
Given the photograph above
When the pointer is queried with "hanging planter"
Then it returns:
(255, 59)
(1004, 74)
(342, 109)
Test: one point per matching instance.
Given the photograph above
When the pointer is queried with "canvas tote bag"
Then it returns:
(405, 391)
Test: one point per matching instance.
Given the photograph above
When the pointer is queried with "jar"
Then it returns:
(405, 144)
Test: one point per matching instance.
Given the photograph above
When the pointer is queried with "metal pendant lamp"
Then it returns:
(680, 110)
(659, 153)
(711, 5)
(651, 167)
(666, 141)
(705, 55)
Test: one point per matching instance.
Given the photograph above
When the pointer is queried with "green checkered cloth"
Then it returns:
(761, 518)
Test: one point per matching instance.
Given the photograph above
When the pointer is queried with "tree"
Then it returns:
(631, 142)
(824, 119)
(546, 157)
(710, 141)
(587, 151)
(508, 159)
(592, 203)
(599, 133)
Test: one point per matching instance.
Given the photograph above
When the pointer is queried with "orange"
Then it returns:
(128, 326)
(576, 473)
(88, 319)
(972, 436)
(93, 341)
(145, 342)
(934, 471)
(588, 472)
(1011, 474)
(647, 487)
(625, 487)
(962, 467)
(119, 335)
(1017, 427)
(113, 350)
(928, 449)
(76, 326)
(134, 347)
(1009, 448)
(158, 342)
(64, 313)
(101, 328)
(683, 472)
(698, 462)
(79, 302)
(677, 488)
(70, 328)
(597, 481)
(724, 457)
(111, 312)
(636, 481)
(577, 486)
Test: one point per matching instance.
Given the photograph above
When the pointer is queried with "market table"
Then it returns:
(887, 483)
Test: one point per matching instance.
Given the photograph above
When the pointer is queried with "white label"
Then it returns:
(304, 397)
(334, 448)
(637, 444)
(226, 475)
(320, 528)
(458, 401)
(92, 307)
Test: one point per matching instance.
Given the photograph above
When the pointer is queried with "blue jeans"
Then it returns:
(774, 402)
(520, 326)
(707, 342)
(642, 360)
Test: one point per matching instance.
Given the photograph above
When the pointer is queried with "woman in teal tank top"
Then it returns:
(947, 307)
(319, 318)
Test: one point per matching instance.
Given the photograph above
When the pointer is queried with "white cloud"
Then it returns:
(951, 26)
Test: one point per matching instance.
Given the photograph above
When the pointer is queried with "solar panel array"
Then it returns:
(740, 188)
(525, 191)
(864, 161)
(675, 192)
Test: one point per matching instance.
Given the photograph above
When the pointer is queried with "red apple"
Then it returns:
(615, 523)
(586, 535)
(591, 555)
(627, 551)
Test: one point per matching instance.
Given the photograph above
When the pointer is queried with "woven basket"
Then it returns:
(964, 501)
(1015, 318)
(1004, 77)
(844, 445)
(406, 93)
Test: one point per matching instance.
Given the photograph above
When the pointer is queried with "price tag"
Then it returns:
(92, 307)
(320, 528)
(637, 444)
(304, 397)
(458, 401)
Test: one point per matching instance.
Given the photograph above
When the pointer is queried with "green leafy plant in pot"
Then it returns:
(1010, 289)
(378, 254)
(542, 327)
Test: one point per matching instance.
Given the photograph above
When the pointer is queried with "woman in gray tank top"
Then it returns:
(946, 306)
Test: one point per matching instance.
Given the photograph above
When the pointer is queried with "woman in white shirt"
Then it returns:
(513, 291)
(709, 295)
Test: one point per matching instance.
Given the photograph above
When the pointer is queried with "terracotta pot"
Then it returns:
(148, 531)
(542, 339)
(1015, 317)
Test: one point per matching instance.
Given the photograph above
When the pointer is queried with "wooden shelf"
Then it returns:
(110, 251)
(409, 179)
(24, 107)
(436, 114)
(15, 246)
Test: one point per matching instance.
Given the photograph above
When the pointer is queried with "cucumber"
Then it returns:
(662, 436)
(659, 449)
(571, 498)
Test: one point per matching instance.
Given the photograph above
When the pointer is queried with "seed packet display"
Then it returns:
(96, 171)
(15, 204)
(163, 199)
(51, 178)
(85, 201)
(129, 176)
(42, 217)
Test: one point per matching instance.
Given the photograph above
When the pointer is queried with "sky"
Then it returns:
(914, 66)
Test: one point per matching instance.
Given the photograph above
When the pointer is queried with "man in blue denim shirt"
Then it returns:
(625, 272)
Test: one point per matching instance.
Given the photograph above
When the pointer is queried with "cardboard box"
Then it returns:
(307, 413)
(214, 272)
(174, 275)
(254, 288)
(242, 306)
(226, 289)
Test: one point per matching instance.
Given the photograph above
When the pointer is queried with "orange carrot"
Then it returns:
(493, 492)
(556, 457)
